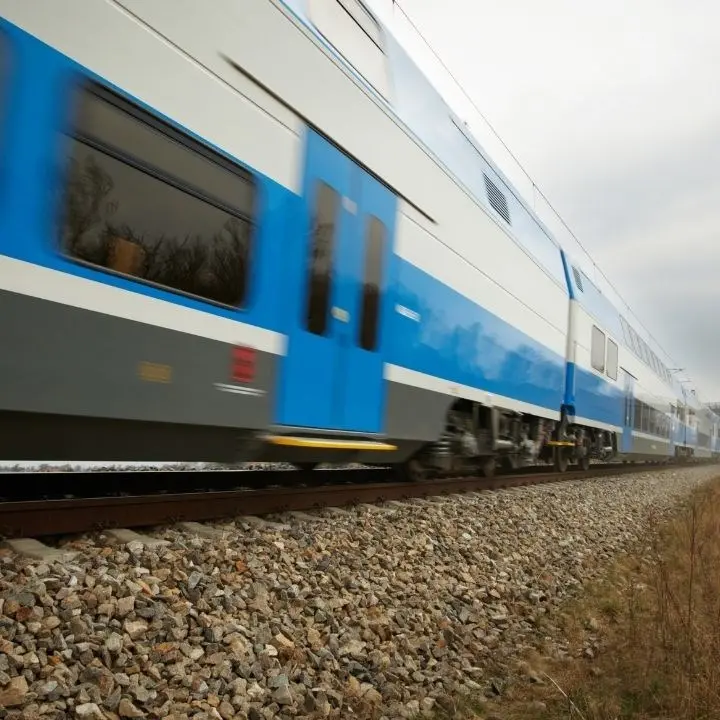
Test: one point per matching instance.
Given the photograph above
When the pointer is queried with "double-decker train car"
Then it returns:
(255, 231)
(619, 386)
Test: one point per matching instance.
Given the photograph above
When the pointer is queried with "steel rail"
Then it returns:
(37, 518)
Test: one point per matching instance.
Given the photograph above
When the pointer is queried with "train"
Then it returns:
(256, 232)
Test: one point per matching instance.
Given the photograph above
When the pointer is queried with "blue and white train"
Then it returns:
(253, 230)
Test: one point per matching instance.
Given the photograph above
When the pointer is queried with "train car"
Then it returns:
(652, 394)
(210, 250)
(211, 253)
(619, 393)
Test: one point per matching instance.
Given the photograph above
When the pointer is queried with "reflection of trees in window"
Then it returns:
(137, 221)
(321, 258)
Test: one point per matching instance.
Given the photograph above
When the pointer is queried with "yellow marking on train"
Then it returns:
(561, 443)
(155, 372)
(328, 444)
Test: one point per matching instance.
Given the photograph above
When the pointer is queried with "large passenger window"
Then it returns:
(374, 255)
(612, 359)
(327, 207)
(597, 349)
(356, 36)
(145, 201)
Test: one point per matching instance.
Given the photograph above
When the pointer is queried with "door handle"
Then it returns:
(340, 314)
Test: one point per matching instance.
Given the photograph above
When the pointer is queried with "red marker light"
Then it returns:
(243, 364)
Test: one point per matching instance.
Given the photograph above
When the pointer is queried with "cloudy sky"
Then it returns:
(614, 110)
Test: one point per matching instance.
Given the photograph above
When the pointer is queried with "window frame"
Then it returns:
(597, 332)
(190, 144)
(614, 374)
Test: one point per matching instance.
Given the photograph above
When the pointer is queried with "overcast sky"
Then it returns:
(614, 110)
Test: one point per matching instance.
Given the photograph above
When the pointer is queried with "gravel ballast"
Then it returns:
(370, 612)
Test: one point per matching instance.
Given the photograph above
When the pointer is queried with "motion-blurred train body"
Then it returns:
(253, 230)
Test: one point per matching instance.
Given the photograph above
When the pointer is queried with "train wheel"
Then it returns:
(411, 471)
(487, 467)
(583, 461)
(560, 459)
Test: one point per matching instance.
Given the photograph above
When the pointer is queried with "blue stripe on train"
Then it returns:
(458, 340)
(595, 398)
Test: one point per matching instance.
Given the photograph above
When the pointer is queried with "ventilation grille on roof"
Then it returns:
(578, 279)
(497, 199)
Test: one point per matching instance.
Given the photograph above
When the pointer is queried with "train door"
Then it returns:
(629, 414)
(332, 376)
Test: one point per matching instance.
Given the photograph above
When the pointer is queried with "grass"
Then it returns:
(645, 642)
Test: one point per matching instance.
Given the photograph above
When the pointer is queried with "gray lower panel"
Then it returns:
(80, 385)
(649, 448)
(39, 437)
(415, 414)
(60, 360)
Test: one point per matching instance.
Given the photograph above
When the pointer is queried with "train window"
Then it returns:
(576, 272)
(625, 329)
(612, 359)
(145, 201)
(327, 206)
(348, 26)
(637, 419)
(641, 349)
(655, 362)
(597, 349)
(635, 342)
(374, 255)
(646, 353)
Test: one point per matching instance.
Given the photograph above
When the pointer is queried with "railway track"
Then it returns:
(144, 501)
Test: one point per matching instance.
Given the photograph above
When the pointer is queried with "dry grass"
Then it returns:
(653, 627)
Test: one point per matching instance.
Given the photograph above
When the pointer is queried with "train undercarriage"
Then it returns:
(480, 439)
